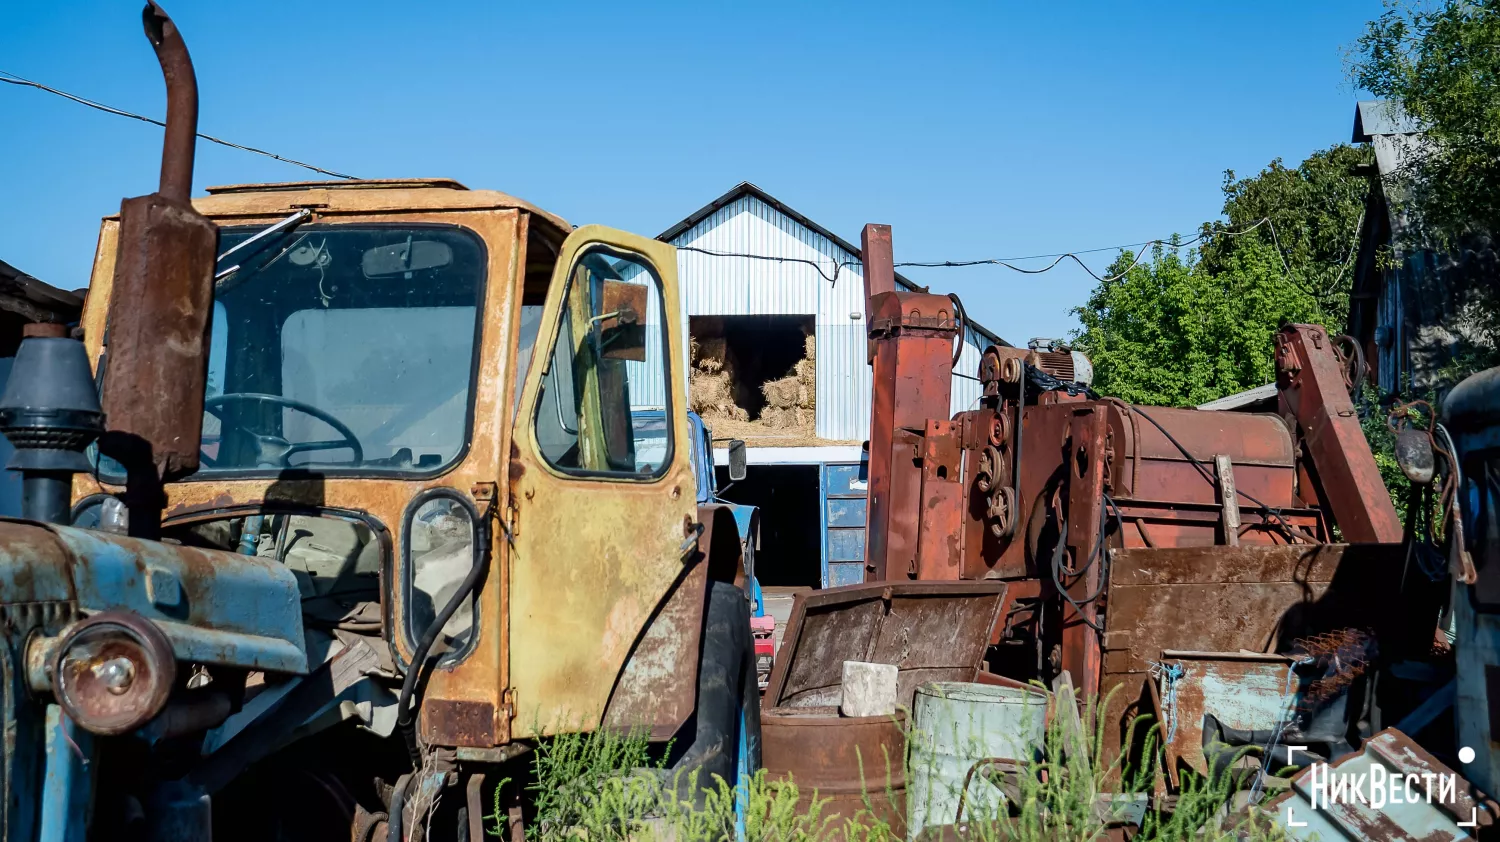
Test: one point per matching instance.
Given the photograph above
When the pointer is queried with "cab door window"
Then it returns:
(606, 362)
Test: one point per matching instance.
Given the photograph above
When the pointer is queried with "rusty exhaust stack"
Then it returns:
(156, 356)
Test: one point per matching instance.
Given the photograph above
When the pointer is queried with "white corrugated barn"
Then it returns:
(811, 486)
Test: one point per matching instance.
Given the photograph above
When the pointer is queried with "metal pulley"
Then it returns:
(1001, 512)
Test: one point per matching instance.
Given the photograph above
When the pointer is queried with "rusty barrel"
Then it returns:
(851, 761)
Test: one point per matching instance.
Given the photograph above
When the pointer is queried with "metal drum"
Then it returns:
(858, 763)
(958, 725)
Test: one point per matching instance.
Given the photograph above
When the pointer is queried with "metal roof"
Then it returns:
(1240, 400)
(745, 188)
(34, 300)
(1374, 117)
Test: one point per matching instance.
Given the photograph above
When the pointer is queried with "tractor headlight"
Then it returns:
(114, 672)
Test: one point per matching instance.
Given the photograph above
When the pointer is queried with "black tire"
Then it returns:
(709, 741)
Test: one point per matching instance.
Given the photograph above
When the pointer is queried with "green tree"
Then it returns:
(1313, 213)
(1441, 64)
(1184, 329)
(1171, 332)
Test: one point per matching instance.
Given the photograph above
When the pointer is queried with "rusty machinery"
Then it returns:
(1139, 542)
(315, 546)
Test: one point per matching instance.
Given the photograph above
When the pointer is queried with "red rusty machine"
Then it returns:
(1142, 541)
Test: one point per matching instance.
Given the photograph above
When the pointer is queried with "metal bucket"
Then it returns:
(956, 726)
(857, 763)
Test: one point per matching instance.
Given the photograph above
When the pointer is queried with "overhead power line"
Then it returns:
(1009, 262)
(13, 79)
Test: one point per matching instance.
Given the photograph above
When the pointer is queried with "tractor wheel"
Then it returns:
(723, 735)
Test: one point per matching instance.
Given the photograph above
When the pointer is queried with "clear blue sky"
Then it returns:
(976, 130)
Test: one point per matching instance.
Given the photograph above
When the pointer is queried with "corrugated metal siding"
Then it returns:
(733, 286)
(648, 385)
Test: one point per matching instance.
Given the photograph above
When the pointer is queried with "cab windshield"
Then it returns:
(343, 349)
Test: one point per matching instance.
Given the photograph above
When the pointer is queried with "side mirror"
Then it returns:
(736, 460)
(622, 328)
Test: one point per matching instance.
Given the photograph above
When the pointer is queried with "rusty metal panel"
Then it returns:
(449, 722)
(1223, 599)
(1423, 808)
(932, 631)
(911, 336)
(659, 686)
(940, 518)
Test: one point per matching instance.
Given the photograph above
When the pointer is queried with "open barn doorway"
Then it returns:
(791, 542)
(754, 377)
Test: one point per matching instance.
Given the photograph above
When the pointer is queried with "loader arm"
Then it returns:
(1315, 395)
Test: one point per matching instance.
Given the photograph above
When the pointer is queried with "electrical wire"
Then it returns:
(1009, 262)
(13, 79)
(832, 279)
(1073, 255)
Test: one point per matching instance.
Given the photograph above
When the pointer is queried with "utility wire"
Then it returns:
(13, 79)
(832, 279)
(1009, 262)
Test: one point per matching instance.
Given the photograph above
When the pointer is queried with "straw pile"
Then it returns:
(791, 400)
(711, 381)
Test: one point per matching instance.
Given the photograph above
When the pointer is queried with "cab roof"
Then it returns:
(364, 195)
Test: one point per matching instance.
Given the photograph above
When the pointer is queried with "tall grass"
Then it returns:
(605, 786)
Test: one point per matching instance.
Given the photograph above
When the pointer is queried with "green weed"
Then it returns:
(606, 787)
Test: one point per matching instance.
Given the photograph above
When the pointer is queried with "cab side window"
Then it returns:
(606, 366)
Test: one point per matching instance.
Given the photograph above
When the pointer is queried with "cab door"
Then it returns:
(604, 505)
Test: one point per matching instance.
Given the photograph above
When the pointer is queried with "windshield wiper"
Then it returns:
(284, 225)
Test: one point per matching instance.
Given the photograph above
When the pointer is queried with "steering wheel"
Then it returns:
(275, 450)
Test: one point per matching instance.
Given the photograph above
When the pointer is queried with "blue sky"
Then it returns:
(975, 130)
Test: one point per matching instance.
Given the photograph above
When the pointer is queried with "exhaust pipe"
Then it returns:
(182, 103)
(155, 364)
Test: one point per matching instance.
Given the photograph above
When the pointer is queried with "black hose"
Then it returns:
(396, 812)
(404, 719)
(1015, 462)
(1100, 551)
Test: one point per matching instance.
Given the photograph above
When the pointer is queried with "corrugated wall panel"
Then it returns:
(966, 391)
(648, 389)
(737, 286)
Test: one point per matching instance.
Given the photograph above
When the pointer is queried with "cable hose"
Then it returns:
(404, 719)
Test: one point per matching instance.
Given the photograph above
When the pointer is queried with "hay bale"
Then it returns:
(711, 354)
(782, 393)
(810, 347)
(805, 371)
(777, 418)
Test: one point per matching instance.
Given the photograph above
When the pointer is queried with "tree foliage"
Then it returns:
(1187, 327)
(1313, 213)
(1441, 63)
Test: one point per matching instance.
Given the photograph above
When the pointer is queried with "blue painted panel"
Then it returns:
(847, 481)
(847, 511)
(845, 574)
(846, 545)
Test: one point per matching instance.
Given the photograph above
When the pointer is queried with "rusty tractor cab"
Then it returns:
(340, 506)
(419, 402)
(1188, 566)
